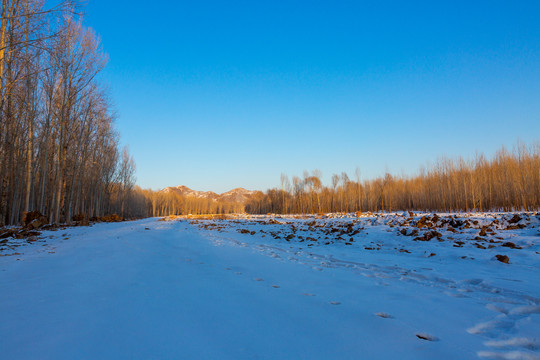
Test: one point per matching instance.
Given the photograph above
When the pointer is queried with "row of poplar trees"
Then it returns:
(59, 151)
(509, 181)
(159, 203)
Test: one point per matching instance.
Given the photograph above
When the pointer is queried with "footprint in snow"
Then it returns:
(454, 294)
(525, 310)
(528, 343)
(497, 308)
(510, 355)
(501, 322)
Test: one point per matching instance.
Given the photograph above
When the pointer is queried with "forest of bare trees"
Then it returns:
(60, 155)
(59, 151)
(508, 181)
(160, 203)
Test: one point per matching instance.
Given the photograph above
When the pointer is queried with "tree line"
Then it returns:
(508, 181)
(59, 149)
(149, 203)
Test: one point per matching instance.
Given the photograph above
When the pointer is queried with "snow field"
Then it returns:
(239, 288)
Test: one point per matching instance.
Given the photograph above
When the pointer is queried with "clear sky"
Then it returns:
(222, 94)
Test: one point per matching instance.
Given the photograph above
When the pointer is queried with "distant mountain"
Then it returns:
(238, 195)
(185, 191)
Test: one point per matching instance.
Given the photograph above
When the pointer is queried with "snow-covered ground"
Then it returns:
(337, 287)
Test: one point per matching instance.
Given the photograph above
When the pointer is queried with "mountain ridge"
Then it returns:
(239, 194)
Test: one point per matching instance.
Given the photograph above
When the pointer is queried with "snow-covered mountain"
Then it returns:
(240, 195)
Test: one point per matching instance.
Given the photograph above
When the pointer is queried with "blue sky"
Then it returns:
(221, 94)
